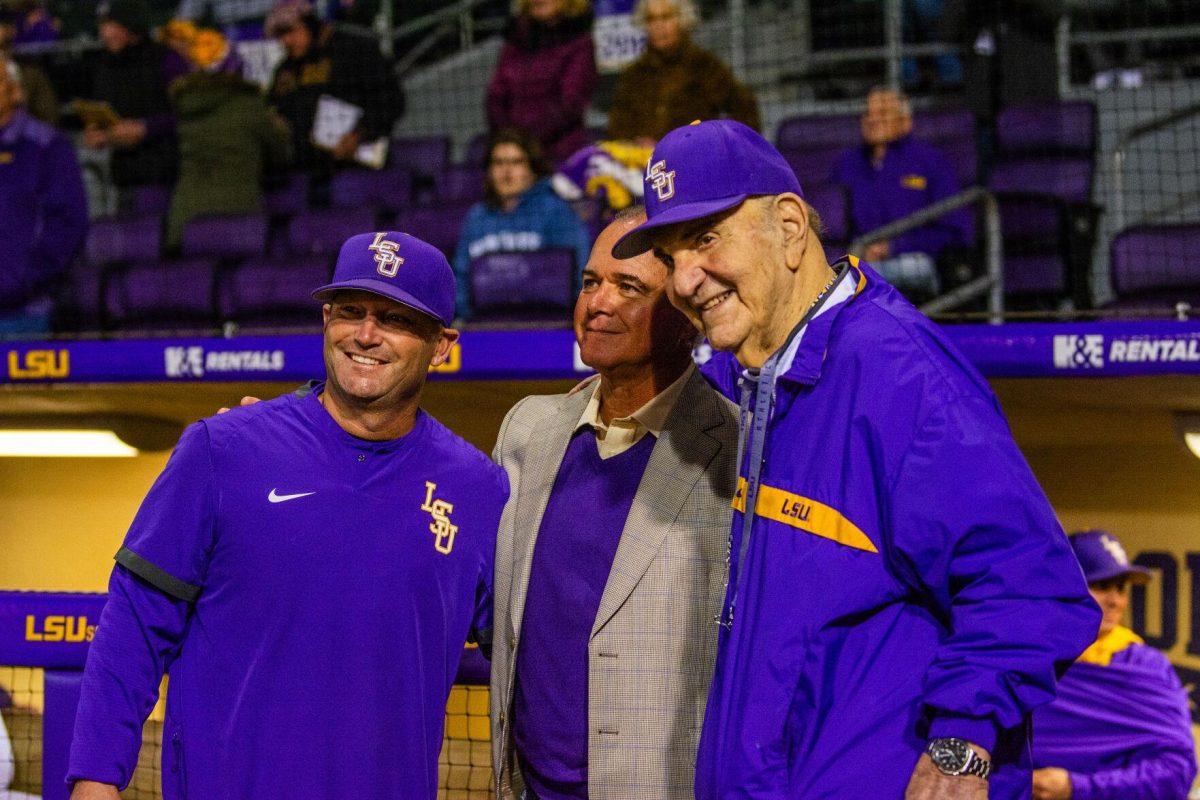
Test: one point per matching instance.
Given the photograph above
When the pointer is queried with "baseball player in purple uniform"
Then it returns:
(900, 594)
(306, 570)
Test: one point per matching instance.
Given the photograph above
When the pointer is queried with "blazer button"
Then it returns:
(502, 717)
(512, 642)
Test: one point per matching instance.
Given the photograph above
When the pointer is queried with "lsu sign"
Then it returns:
(38, 365)
(58, 628)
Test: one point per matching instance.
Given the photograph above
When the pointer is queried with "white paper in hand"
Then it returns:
(334, 119)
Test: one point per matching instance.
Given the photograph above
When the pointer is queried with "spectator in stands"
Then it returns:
(1120, 725)
(675, 81)
(228, 137)
(319, 60)
(43, 210)
(34, 23)
(891, 175)
(41, 102)
(546, 75)
(8, 766)
(132, 76)
(520, 212)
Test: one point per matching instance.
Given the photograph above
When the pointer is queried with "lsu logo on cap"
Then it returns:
(1115, 550)
(385, 255)
(661, 181)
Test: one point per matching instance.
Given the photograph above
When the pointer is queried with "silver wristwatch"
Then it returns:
(955, 757)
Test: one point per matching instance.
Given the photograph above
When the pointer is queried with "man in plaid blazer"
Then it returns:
(611, 554)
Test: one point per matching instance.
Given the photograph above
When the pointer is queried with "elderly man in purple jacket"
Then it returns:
(891, 175)
(43, 209)
(900, 594)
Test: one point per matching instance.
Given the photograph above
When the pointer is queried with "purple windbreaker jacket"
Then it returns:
(903, 577)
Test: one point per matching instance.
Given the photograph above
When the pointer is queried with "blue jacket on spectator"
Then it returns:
(43, 209)
(913, 175)
(541, 220)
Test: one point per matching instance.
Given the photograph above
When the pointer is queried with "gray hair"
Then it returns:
(689, 15)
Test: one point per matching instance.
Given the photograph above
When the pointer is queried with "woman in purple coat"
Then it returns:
(1119, 728)
(546, 75)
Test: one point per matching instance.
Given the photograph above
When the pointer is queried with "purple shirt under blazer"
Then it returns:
(309, 593)
(903, 576)
(650, 642)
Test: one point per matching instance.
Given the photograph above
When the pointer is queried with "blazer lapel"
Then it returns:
(679, 459)
(545, 450)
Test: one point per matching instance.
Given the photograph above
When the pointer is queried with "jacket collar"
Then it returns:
(808, 354)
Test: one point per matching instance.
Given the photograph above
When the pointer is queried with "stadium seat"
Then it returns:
(151, 198)
(424, 156)
(519, 287)
(287, 195)
(812, 144)
(225, 236)
(160, 295)
(389, 189)
(1156, 266)
(124, 239)
(273, 292)
(1045, 165)
(79, 301)
(325, 230)
(952, 130)
(439, 226)
(476, 154)
(833, 204)
(461, 182)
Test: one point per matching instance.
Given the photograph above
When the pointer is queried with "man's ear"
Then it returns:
(792, 215)
(445, 345)
(326, 309)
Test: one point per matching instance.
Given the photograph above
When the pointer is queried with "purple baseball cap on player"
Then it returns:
(399, 267)
(1102, 557)
(702, 169)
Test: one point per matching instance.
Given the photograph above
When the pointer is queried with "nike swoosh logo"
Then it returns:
(280, 498)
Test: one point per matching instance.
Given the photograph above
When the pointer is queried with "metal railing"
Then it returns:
(991, 283)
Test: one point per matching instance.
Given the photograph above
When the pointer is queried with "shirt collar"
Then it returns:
(652, 417)
(802, 364)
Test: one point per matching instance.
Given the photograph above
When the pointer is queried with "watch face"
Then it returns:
(950, 755)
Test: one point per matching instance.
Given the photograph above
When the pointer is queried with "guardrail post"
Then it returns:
(995, 257)
(893, 32)
(737, 37)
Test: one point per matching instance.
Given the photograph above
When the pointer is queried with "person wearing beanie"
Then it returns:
(228, 137)
(41, 101)
(1120, 727)
(133, 76)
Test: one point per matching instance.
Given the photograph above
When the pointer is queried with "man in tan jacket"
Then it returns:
(610, 559)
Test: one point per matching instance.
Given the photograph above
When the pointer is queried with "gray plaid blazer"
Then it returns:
(650, 658)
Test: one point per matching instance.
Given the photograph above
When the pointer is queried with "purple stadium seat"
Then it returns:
(1156, 265)
(813, 165)
(153, 198)
(273, 291)
(161, 295)
(289, 196)
(225, 236)
(325, 230)
(425, 156)
(1067, 178)
(808, 133)
(81, 305)
(124, 239)
(1041, 129)
(440, 225)
(523, 286)
(461, 183)
(389, 189)
(953, 131)
(477, 151)
(832, 203)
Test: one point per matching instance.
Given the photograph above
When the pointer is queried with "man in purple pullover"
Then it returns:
(306, 570)
(900, 594)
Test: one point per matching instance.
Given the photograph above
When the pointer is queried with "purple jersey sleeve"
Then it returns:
(159, 574)
(169, 542)
(978, 537)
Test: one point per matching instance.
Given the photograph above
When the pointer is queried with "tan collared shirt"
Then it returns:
(624, 432)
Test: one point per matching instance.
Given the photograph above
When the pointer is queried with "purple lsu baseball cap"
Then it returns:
(706, 168)
(1102, 557)
(399, 267)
